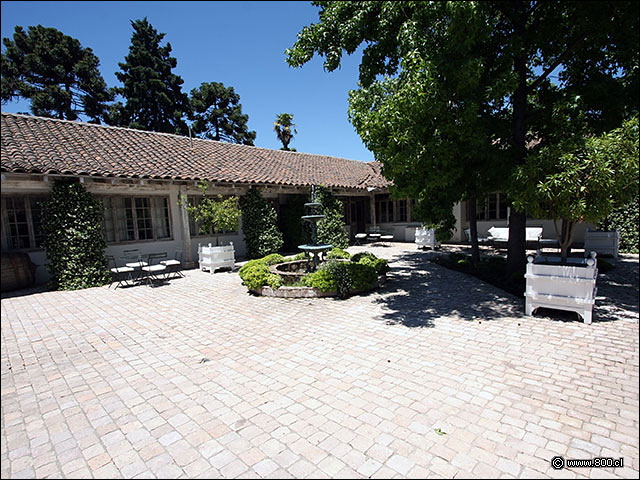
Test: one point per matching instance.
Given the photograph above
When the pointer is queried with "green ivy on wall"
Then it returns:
(260, 225)
(72, 220)
(331, 229)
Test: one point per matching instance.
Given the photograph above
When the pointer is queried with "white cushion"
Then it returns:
(122, 269)
(170, 262)
(154, 268)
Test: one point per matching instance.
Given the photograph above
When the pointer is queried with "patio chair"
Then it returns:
(122, 275)
(173, 265)
(359, 238)
(154, 268)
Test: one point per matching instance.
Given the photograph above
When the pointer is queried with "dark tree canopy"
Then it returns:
(59, 77)
(217, 114)
(152, 93)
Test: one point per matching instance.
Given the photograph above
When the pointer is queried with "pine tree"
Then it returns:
(52, 70)
(152, 93)
(217, 114)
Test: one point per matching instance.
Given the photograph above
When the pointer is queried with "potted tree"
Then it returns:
(579, 179)
(215, 214)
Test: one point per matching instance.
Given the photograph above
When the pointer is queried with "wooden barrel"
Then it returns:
(17, 271)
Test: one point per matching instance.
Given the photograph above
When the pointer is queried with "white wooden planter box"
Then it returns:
(426, 238)
(211, 258)
(604, 243)
(563, 287)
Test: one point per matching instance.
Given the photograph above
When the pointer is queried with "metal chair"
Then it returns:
(119, 274)
(173, 265)
(359, 238)
(154, 269)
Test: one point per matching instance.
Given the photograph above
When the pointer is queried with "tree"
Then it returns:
(580, 180)
(217, 114)
(153, 94)
(260, 225)
(59, 76)
(72, 224)
(592, 46)
(214, 214)
(285, 128)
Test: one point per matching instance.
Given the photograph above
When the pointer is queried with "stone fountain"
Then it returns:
(313, 249)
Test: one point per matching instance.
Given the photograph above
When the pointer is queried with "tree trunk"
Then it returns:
(473, 230)
(566, 239)
(516, 251)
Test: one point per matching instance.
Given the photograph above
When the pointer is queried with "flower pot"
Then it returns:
(569, 287)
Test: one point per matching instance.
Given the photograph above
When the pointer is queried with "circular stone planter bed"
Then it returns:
(309, 292)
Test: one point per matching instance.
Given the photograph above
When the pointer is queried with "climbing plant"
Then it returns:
(214, 214)
(72, 224)
(260, 225)
(331, 229)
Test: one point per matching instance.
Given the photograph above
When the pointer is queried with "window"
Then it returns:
(494, 207)
(402, 211)
(384, 209)
(130, 219)
(194, 226)
(21, 222)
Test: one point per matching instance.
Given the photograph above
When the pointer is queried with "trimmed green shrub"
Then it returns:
(363, 276)
(380, 265)
(255, 274)
(338, 253)
(341, 274)
(358, 256)
(72, 224)
(331, 229)
(322, 280)
(367, 258)
(626, 220)
(272, 259)
(260, 225)
(342, 277)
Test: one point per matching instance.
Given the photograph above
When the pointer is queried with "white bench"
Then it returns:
(501, 234)
(211, 258)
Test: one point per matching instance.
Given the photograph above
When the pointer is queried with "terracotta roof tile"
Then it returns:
(45, 145)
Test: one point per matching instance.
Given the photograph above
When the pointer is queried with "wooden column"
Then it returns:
(373, 209)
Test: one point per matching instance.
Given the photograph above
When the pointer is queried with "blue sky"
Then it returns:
(240, 44)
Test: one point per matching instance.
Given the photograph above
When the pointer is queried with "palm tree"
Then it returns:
(284, 126)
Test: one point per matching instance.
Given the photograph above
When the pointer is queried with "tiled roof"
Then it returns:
(49, 146)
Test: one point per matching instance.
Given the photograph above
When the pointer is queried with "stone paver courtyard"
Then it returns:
(435, 375)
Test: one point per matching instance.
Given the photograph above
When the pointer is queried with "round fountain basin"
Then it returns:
(312, 218)
(291, 272)
(315, 248)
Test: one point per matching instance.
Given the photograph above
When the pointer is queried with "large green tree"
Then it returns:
(55, 72)
(217, 114)
(152, 93)
(591, 47)
(285, 129)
